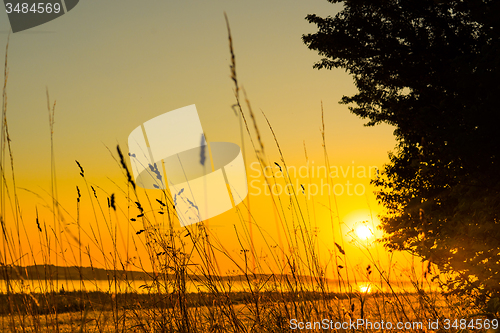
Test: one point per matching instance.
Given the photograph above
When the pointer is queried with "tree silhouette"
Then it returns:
(430, 68)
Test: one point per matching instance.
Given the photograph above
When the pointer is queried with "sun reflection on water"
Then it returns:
(365, 288)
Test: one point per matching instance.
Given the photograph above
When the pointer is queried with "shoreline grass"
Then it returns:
(72, 301)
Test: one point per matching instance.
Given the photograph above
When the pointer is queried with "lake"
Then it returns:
(239, 285)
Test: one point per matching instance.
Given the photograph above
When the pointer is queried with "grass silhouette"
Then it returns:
(180, 287)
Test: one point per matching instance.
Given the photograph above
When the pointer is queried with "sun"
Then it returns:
(363, 232)
(365, 289)
(362, 225)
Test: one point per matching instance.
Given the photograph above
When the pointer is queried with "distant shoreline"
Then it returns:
(65, 273)
(52, 272)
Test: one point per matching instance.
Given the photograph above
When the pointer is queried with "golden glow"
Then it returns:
(364, 232)
(362, 225)
(335, 204)
(365, 288)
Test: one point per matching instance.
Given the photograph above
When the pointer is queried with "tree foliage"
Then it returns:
(430, 68)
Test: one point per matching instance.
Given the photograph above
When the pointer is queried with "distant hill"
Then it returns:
(52, 272)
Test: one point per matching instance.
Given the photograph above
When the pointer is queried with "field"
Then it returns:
(235, 312)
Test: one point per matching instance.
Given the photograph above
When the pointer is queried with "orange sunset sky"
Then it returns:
(112, 65)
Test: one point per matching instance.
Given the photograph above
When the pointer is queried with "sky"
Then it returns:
(110, 66)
